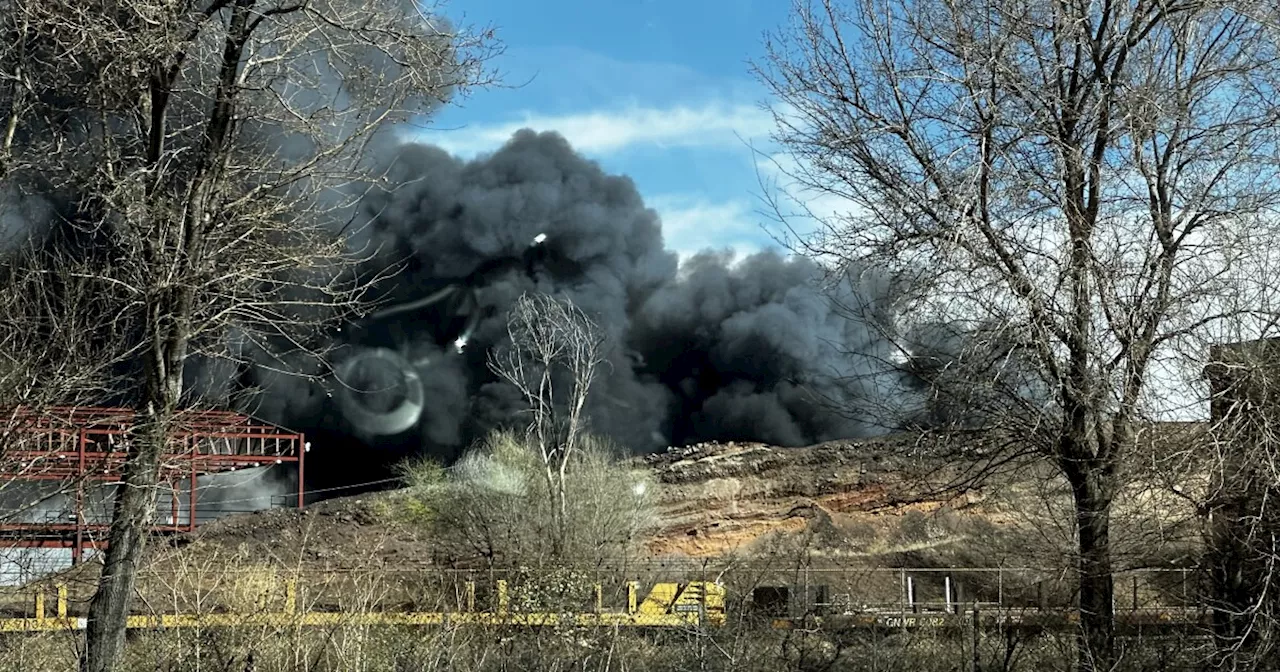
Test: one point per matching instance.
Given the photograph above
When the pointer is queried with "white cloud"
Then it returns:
(804, 215)
(691, 224)
(609, 131)
(779, 172)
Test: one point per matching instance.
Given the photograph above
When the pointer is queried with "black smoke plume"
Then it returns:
(724, 349)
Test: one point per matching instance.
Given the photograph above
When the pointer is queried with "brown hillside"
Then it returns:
(854, 503)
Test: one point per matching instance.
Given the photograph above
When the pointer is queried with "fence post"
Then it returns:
(977, 625)
(291, 596)
(906, 590)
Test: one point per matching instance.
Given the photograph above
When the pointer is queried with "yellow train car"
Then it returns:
(667, 605)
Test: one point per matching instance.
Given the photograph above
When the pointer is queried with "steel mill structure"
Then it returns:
(71, 451)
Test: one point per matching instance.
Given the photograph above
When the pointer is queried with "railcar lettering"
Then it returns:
(913, 621)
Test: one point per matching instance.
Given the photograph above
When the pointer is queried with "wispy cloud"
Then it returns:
(601, 132)
(802, 214)
(691, 224)
(782, 176)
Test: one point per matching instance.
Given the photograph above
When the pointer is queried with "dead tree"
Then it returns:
(58, 347)
(1242, 545)
(207, 149)
(1087, 177)
(552, 359)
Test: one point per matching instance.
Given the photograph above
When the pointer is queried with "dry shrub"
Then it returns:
(496, 505)
(43, 652)
(252, 589)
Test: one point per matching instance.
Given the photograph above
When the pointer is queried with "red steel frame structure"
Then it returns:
(81, 447)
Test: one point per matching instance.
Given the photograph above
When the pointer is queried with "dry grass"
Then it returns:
(739, 647)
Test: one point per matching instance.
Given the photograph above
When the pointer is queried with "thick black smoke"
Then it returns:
(754, 349)
(717, 349)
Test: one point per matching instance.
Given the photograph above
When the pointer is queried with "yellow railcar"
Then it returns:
(667, 605)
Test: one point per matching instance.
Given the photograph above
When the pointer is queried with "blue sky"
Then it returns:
(655, 89)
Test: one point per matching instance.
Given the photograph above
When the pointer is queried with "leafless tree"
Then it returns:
(58, 347)
(1088, 180)
(553, 356)
(1241, 461)
(206, 149)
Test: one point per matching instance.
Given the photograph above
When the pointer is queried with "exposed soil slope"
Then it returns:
(871, 502)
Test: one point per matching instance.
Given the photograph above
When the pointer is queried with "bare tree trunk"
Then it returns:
(134, 509)
(555, 495)
(1230, 565)
(563, 502)
(1097, 588)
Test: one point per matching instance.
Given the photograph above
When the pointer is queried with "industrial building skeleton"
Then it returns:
(78, 449)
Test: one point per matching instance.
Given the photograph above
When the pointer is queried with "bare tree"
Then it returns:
(58, 347)
(1243, 462)
(208, 149)
(552, 359)
(1088, 180)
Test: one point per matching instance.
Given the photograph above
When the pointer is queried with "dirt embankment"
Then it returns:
(844, 498)
(870, 502)
(884, 499)
(713, 499)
